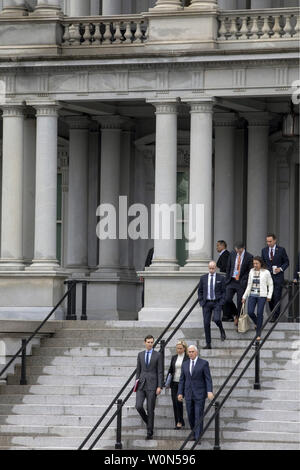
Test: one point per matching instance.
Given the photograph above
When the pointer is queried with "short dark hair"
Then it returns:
(222, 242)
(261, 261)
(148, 337)
(239, 245)
(271, 235)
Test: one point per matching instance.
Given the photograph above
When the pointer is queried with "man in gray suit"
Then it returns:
(150, 376)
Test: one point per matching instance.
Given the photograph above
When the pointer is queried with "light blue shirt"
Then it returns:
(150, 355)
(211, 278)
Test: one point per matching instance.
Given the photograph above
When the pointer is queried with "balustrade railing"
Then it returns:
(104, 31)
(261, 25)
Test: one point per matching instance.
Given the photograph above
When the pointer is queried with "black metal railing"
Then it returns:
(218, 405)
(22, 351)
(71, 303)
(116, 400)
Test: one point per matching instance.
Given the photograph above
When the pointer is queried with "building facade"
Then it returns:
(132, 104)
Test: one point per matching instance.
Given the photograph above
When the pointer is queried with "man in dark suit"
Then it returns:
(277, 262)
(297, 270)
(239, 264)
(150, 376)
(229, 309)
(211, 295)
(195, 386)
(223, 257)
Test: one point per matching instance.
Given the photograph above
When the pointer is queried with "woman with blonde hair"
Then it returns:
(259, 290)
(173, 378)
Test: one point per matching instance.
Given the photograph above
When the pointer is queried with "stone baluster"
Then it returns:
(128, 33)
(87, 35)
(118, 34)
(276, 28)
(97, 36)
(107, 34)
(254, 29)
(233, 28)
(222, 30)
(75, 35)
(244, 28)
(288, 27)
(297, 28)
(266, 28)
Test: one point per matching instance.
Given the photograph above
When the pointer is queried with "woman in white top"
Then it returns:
(173, 381)
(259, 290)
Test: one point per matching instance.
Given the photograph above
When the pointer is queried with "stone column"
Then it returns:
(29, 187)
(80, 8)
(261, 4)
(48, 7)
(110, 8)
(200, 221)
(93, 195)
(225, 124)
(257, 199)
(95, 8)
(227, 4)
(77, 245)
(203, 5)
(109, 252)
(46, 188)
(12, 188)
(167, 5)
(14, 8)
(165, 186)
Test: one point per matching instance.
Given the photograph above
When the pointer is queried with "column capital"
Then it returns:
(257, 118)
(47, 108)
(199, 105)
(13, 109)
(110, 122)
(165, 106)
(78, 122)
(225, 119)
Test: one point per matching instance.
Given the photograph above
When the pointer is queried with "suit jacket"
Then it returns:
(195, 386)
(297, 269)
(247, 264)
(222, 261)
(280, 260)
(172, 365)
(220, 289)
(150, 377)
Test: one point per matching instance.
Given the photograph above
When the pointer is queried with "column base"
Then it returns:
(11, 265)
(46, 10)
(197, 265)
(44, 266)
(16, 12)
(163, 265)
(200, 6)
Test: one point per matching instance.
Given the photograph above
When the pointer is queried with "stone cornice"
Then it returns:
(257, 118)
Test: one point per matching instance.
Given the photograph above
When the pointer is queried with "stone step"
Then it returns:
(136, 343)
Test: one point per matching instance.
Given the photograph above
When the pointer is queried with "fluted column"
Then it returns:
(167, 5)
(110, 7)
(46, 188)
(77, 245)
(261, 4)
(165, 187)
(14, 8)
(109, 250)
(203, 5)
(48, 7)
(200, 214)
(80, 8)
(227, 4)
(257, 198)
(12, 188)
(225, 124)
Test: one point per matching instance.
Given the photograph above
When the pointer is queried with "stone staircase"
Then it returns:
(74, 375)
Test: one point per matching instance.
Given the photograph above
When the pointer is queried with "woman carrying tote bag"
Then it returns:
(259, 290)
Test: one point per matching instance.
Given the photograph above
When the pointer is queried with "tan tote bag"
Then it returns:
(244, 321)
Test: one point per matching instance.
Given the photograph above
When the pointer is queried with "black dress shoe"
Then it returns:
(208, 346)
(223, 335)
(227, 319)
(149, 437)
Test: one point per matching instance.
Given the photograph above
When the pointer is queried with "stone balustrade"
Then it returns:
(259, 25)
(105, 31)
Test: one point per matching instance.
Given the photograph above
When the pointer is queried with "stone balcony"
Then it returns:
(151, 33)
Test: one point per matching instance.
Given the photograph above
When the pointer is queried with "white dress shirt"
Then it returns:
(191, 362)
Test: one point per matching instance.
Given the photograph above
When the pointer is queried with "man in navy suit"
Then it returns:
(239, 264)
(195, 386)
(277, 262)
(211, 295)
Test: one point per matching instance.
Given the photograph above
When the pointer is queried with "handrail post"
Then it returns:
(84, 291)
(162, 352)
(118, 445)
(257, 367)
(69, 302)
(217, 427)
(23, 380)
(291, 310)
(73, 301)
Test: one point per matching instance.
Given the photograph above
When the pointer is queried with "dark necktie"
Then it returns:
(271, 254)
(211, 288)
(147, 358)
(193, 367)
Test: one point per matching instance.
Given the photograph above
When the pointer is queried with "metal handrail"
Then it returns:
(114, 401)
(257, 350)
(25, 343)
